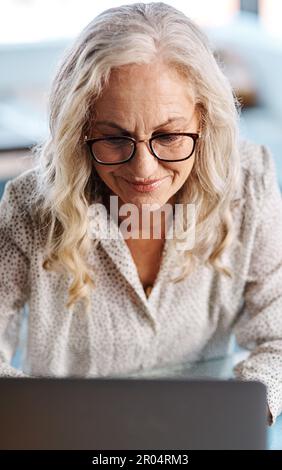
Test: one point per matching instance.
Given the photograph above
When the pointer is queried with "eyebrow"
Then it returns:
(116, 126)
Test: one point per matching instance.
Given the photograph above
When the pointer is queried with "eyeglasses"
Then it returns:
(167, 147)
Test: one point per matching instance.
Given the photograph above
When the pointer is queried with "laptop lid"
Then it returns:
(124, 413)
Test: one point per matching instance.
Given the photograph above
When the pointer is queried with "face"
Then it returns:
(140, 99)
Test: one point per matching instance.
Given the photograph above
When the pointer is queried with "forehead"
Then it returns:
(146, 85)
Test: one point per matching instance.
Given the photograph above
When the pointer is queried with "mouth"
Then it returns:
(147, 185)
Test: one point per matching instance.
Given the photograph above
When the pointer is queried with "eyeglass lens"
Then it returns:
(166, 147)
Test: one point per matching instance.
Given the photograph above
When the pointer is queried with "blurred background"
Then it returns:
(246, 35)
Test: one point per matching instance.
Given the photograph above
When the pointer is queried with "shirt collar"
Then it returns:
(104, 228)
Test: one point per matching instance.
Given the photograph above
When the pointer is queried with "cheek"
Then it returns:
(181, 170)
(186, 170)
(105, 173)
(109, 177)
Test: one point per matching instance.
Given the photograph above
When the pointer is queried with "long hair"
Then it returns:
(134, 34)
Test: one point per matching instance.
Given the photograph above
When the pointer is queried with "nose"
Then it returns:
(143, 163)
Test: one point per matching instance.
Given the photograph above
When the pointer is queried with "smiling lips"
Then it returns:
(146, 186)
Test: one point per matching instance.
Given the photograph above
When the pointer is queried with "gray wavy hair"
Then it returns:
(68, 183)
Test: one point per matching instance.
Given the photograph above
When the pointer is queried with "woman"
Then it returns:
(139, 97)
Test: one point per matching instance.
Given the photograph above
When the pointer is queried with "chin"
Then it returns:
(153, 203)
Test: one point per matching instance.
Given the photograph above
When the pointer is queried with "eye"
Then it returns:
(116, 140)
(170, 137)
(117, 143)
(167, 138)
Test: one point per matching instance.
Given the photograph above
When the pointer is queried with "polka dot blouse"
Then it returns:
(129, 331)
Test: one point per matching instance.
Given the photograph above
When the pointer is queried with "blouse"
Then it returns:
(128, 331)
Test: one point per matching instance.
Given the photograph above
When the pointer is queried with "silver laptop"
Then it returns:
(126, 413)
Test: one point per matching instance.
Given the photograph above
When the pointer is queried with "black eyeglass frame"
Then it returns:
(193, 135)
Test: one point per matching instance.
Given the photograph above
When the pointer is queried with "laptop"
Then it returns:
(125, 413)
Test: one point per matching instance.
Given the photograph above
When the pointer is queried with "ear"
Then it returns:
(200, 113)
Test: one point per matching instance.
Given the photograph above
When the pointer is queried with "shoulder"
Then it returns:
(257, 168)
(21, 191)
(16, 215)
(18, 206)
(255, 158)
